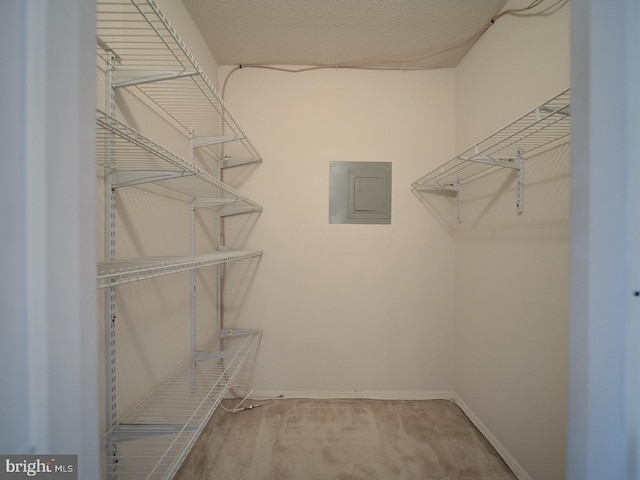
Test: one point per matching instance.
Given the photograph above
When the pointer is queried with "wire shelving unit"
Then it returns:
(152, 59)
(130, 159)
(547, 125)
(152, 441)
(140, 52)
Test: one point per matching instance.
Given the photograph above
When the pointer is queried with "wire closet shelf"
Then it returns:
(148, 55)
(131, 158)
(546, 125)
(152, 441)
(119, 272)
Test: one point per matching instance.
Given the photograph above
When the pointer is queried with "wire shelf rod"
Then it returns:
(118, 272)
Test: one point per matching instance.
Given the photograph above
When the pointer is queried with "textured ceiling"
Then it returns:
(321, 32)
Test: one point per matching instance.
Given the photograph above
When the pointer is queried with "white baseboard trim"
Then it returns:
(504, 453)
(375, 395)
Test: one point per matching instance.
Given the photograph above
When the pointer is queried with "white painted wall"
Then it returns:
(511, 272)
(348, 308)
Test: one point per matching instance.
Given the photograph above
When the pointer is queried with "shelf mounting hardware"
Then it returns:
(199, 142)
(128, 178)
(237, 162)
(520, 185)
(210, 202)
(127, 78)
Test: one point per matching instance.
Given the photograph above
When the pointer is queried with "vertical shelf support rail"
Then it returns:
(520, 184)
(109, 254)
(192, 275)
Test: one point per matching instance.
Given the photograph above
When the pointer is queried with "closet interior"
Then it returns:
(168, 153)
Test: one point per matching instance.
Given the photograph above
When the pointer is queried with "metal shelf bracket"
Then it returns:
(450, 186)
(237, 162)
(135, 431)
(198, 142)
(129, 178)
(230, 210)
(127, 78)
(520, 186)
(210, 202)
(459, 196)
(494, 162)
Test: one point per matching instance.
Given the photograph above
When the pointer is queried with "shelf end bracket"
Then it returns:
(126, 78)
(459, 198)
(128, 178)
(520, 185)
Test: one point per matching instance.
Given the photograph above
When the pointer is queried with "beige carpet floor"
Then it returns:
(296, 439)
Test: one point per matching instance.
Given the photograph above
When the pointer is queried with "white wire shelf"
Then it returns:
(152, 441)
(150, 57)
(132, 159)
(548, 124)
(118, 272)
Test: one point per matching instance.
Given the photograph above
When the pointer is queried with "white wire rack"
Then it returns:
(131, 158)
(151, 58)
(546, 125)
(118, 272)
(139, 51)
(152, 441)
